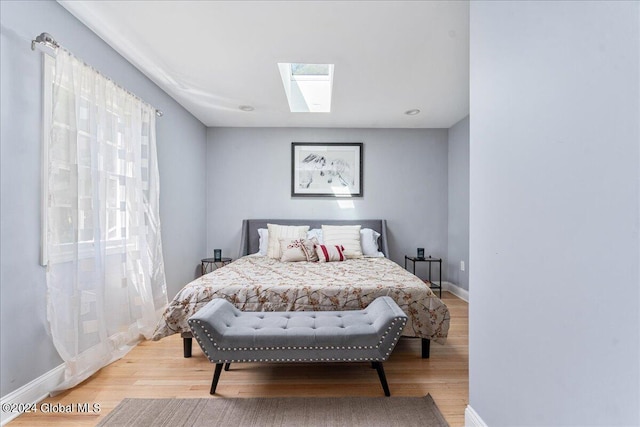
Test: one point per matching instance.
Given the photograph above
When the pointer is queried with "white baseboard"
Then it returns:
(472, 419)
(463, 294)
(32, 393)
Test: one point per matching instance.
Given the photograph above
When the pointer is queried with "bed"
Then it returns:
(259, 283)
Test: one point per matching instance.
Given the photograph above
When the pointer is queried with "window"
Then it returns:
(47, 100)
(307, 86)
(309, 70)
(70, 165)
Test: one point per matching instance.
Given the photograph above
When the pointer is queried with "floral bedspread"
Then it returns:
(255, 283)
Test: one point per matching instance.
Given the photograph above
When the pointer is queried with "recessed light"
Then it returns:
(246, 108)
(412, 112)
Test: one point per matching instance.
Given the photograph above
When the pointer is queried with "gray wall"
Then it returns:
(27, 351)
(458, 204)
(405, 182)
(555, 204)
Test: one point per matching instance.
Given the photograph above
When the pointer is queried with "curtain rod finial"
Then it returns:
(45, 39)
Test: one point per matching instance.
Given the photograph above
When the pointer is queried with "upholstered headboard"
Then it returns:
(250, 240)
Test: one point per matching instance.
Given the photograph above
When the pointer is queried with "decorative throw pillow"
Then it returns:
(293, 250)
(277, 232)
(309, 245)
(328, 253)
(345, 235)
(369, 241)
(298, 250)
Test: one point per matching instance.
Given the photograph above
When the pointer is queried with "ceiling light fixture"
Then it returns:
(246, 108)
(412, 112)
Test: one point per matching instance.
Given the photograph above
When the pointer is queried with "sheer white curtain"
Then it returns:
(105, 275)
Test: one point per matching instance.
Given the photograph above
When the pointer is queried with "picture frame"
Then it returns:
(321, 169)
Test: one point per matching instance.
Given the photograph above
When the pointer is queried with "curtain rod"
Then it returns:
(47, 40)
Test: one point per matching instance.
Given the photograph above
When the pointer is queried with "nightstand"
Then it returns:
(430, 260)
(206, 263)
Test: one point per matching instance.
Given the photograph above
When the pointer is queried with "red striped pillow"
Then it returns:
(328, 253)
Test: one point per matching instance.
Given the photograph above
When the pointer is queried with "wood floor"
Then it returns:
(158, 370)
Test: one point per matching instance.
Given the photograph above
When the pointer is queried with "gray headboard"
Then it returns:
(250, 240)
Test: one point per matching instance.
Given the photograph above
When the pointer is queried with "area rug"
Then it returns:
(280, 412)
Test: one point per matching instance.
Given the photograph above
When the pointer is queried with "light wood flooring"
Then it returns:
(158, 370)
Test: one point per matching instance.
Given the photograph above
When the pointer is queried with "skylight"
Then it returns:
(309, 70)
(307, 86)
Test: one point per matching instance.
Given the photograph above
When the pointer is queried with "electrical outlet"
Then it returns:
(461, 265)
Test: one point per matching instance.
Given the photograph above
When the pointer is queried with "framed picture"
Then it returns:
(326, 169)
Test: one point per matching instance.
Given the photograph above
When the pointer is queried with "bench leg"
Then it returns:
(186, 346)
(383, 378)
(226, 366)
(216, 377)
(426, 347)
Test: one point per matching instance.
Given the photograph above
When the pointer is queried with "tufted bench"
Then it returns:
(228, 335)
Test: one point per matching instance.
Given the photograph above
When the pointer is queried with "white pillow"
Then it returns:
(345, 235)
(317, 233)
(264, 241)
(277, 232)
(369, 242)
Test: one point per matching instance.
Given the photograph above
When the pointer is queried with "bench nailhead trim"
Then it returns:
(310, 348)
(391, 326)
(380, 342)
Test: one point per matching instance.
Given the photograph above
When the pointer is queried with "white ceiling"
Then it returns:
(213, 56)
